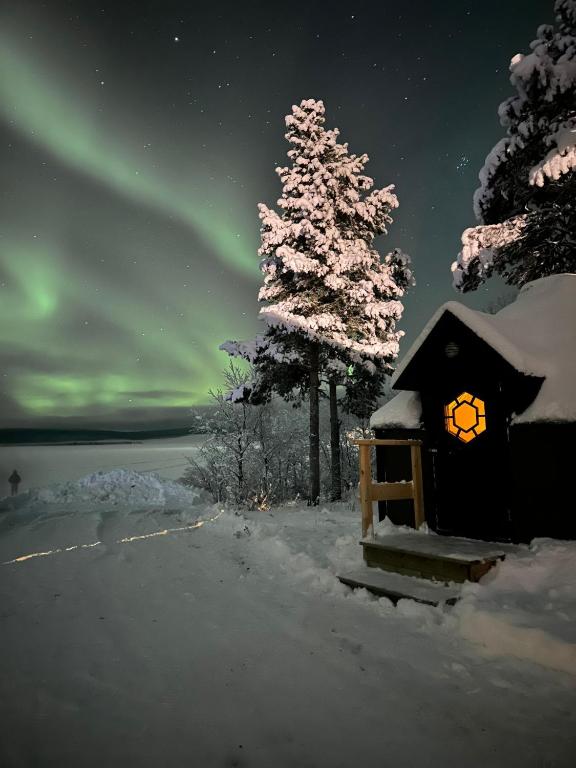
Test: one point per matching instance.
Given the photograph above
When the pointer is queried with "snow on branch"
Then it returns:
(376, 339)
(479, 245)
(260, 347)
(560, 160)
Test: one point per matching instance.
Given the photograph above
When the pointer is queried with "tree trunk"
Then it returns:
(240, 468)
(335, 461)
(314, 426)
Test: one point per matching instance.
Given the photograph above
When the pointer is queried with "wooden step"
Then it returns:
(397, 587)
(430, 556)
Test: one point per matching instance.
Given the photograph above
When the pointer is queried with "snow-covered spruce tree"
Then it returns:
(325, 285)
(526, 202)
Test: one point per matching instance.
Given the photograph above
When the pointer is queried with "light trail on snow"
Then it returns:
(125, 540)
(22, 558)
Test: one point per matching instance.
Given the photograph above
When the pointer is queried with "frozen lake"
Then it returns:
(41, 465)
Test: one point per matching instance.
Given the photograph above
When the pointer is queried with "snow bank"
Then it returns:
(303, 571)
(525, 608)
(117, 488)
(496, 636)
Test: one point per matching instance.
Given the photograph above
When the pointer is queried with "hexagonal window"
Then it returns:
(465, 417)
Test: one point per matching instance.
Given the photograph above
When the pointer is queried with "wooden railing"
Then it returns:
(370, 491)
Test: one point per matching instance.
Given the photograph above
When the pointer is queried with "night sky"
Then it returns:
(138, 137)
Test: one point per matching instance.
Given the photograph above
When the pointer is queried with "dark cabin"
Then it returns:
(493, 398)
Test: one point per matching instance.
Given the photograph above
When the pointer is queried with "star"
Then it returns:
(462, 163)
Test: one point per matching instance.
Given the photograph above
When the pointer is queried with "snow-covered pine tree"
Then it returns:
(526, 202)
(325, 284)
(276, 368)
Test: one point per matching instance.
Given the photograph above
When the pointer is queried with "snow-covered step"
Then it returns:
(396, 586)
(429, 556)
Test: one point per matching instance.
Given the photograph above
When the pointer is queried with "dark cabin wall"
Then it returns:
(542, 474)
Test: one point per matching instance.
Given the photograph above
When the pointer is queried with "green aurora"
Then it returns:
(49, 117)
(78, 339)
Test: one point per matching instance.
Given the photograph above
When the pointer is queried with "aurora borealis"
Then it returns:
(137, 139)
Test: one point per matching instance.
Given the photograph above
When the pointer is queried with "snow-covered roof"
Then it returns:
(403, 410)
(536, 334)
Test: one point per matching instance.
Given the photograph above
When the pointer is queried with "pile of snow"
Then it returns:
(536, 334)
(525, 607)
(523, 610)
(297, 568)
(116, 488)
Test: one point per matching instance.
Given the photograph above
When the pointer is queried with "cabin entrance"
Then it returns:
(470, 462)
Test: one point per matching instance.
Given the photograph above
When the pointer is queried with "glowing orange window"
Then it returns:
(465, 417)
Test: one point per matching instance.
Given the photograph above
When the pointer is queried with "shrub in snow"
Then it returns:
(526, 199)
(257, 455)
(228, 463)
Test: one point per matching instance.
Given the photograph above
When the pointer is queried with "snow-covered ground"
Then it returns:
(153, 629)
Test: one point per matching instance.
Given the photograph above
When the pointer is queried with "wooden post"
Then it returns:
(416, 457)
(370, 491)
(365, 483)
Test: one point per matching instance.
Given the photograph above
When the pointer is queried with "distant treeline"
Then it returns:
(14, 436)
